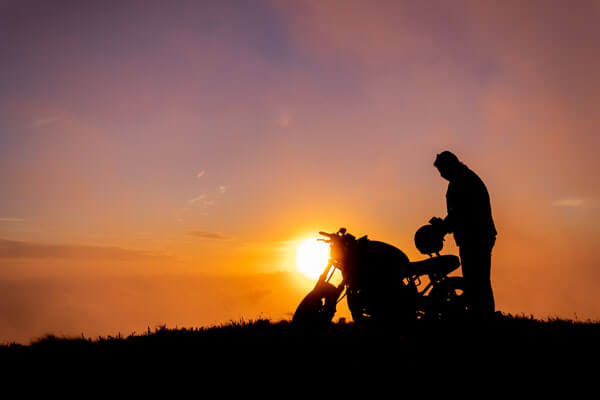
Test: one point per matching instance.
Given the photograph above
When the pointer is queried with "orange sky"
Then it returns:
(160, 163)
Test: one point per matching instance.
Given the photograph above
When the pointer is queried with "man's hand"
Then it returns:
(441, 224)
(436, 221)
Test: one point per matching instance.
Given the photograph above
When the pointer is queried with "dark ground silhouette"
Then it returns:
(275, 346)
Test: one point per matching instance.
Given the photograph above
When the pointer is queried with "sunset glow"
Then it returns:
(160, 162)
(312, 257)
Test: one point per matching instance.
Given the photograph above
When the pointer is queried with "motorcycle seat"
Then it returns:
(435, 265)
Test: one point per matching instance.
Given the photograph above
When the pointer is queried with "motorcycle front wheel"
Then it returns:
(447, 300)
(317, 308)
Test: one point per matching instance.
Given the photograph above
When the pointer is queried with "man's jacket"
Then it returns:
(469, 210)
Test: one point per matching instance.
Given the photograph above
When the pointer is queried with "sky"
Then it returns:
(159, 162)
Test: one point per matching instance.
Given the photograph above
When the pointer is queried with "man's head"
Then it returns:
(448, 164)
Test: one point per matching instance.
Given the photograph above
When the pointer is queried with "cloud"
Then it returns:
(202, 201)
(200, 174)
(208, 235)
(574, 202)
(198, 198)
(222, 189)
(96, 305)
(12, 249)
(11, 220)
(207, 203)
(40, 122)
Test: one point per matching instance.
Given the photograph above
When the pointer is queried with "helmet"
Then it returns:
(429, 239)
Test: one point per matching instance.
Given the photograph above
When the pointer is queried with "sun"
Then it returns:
(312, 257)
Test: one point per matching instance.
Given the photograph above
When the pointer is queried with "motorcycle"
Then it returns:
(382, 285)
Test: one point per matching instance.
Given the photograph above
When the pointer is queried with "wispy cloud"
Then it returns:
(202, 201)
(11, 219)
(208, 235)
(197, 199)
(200, 174)
(572, 202)
(40, 122)
(10, 249)
(222, 189)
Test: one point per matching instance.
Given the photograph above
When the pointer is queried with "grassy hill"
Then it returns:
(262, 342)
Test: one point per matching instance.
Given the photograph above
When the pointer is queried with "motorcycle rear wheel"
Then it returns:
(447, 300)
(358, 307)
(384, 307)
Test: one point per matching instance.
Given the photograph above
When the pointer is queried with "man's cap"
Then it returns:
(446, 158)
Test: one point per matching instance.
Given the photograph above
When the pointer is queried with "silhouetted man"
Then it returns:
(470, 220)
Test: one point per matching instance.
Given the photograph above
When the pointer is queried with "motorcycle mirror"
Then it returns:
(342, 231)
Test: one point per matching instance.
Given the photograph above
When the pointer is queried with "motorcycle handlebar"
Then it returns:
(329, 235)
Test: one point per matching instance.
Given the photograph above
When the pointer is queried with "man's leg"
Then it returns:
(476, 263)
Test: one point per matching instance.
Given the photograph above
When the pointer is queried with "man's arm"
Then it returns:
(445, 224)
(448, 223)
(450, 220)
